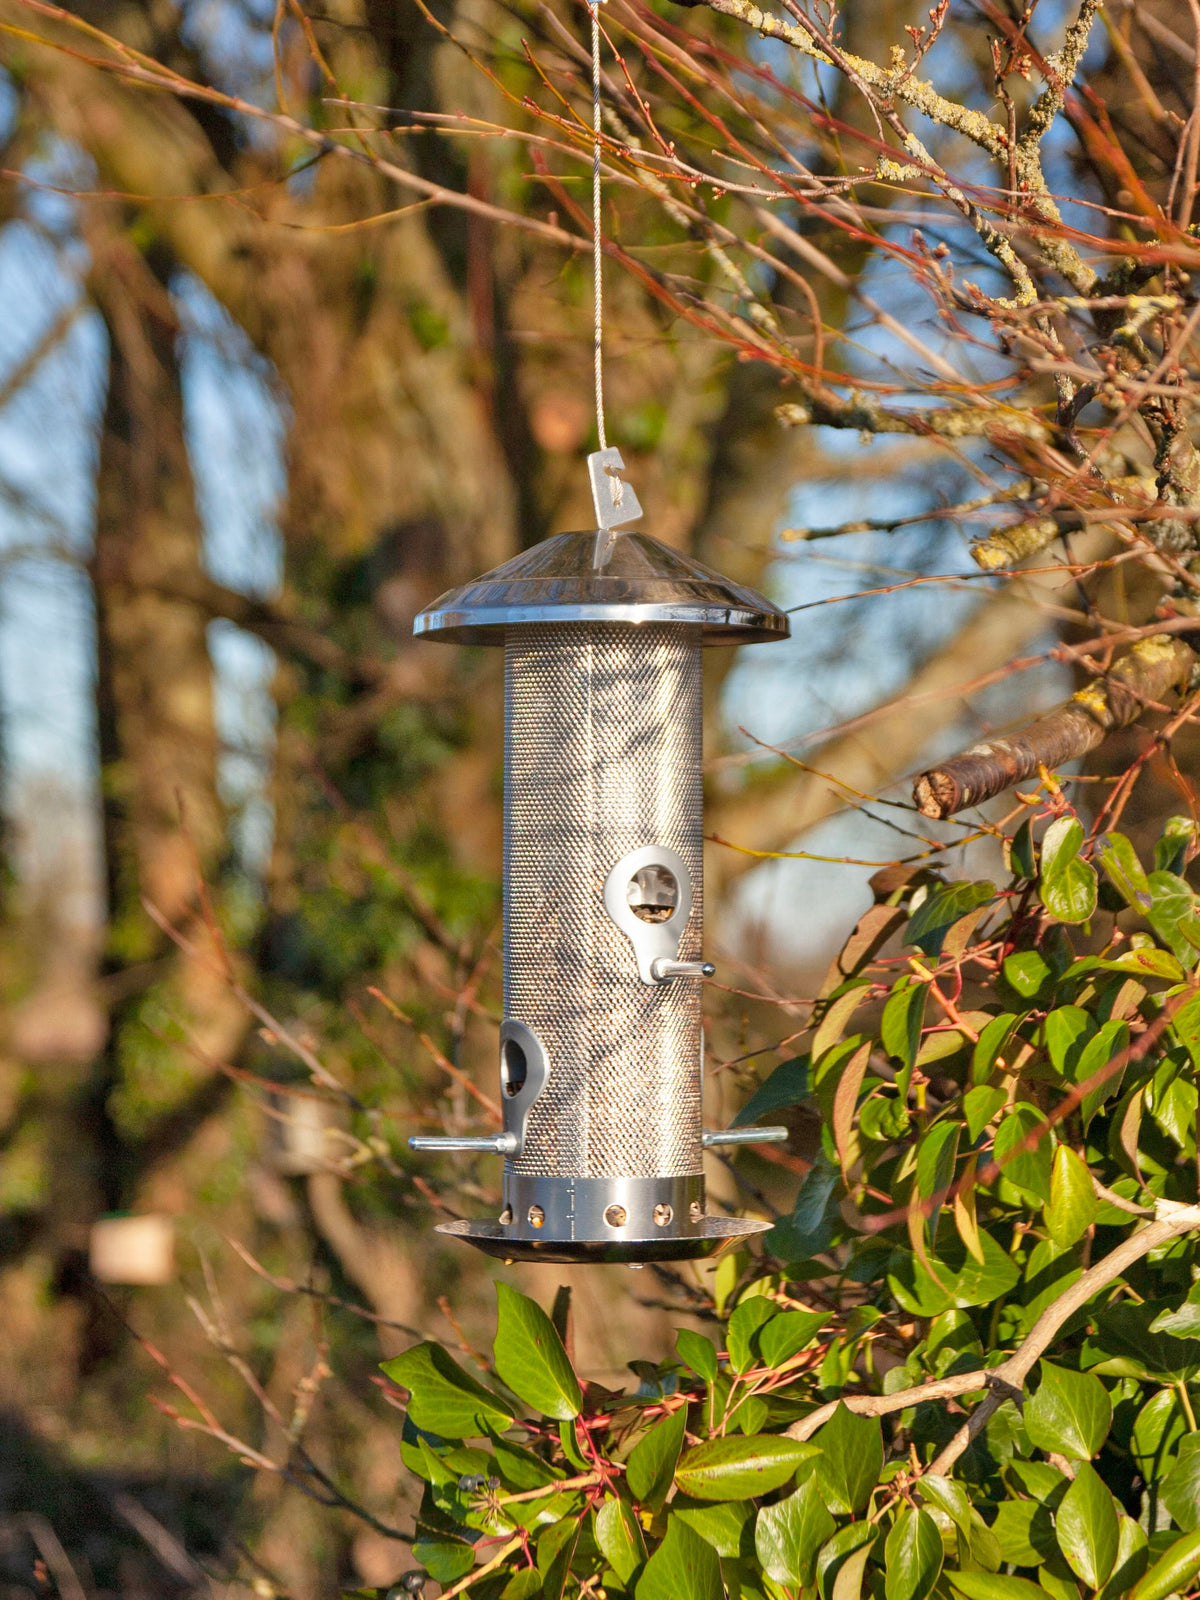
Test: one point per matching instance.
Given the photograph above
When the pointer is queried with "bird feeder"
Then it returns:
(601, 1048)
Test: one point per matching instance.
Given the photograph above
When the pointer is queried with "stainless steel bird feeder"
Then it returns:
(601, 1051)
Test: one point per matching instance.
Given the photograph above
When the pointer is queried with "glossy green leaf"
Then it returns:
(1070, 893)
(445, 1560)
(1086, 1522)
(1067, 1030)
(530, 1357)
(1172, 1572)
(1024, 1530)
(1133, 1557)
(850, 1462)
(995, 1035)
(650, 1468)
(1070, 1413)
(555, 1552)
(684, 1567)
(1172, 846)
(1026, 971)
(619, 1535)
(736, 1468)
(726, 1524)
(1111, 1041)
(1179, 1491)
(1061, 843)
(1072, 1207)
(444, 1399)
(1171, 900)
(902, 1019)
(747, 1318)
(1027, 1168)
(847, 1551)
(994, 1586)
(788, 1085)
(980, 1105)
(787, 1333)
(941, 909)
(1183, 1322)
(698, 1352)
(936, 1154)
(523, 1585)
(912, 1555)
(788, 1534)
(1119, 862)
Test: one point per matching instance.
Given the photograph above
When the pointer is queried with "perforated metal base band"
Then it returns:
(494, 1239)
(602, 1209)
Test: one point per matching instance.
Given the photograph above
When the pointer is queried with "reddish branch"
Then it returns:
(1142, 676)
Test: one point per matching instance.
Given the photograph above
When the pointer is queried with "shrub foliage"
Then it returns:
(966, 1363)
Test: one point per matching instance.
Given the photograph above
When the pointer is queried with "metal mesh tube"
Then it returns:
(602, 756)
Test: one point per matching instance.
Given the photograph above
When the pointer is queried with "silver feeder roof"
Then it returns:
(605, 576)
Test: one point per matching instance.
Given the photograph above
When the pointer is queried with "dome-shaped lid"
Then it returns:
(601, 577)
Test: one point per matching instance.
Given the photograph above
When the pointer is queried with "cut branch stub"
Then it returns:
(1144, 674)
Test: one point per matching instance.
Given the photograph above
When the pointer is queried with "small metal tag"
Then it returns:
(614, 499)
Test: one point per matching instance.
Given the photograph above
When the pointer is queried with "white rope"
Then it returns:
(597, 253)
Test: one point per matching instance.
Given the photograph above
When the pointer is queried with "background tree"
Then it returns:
(822, 230)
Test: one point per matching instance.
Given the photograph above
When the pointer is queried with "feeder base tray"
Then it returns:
(495, 1239)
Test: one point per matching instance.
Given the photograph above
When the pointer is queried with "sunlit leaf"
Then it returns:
(740, 1468)
(1087, 1527)
(1070, 1413)
(530, 1357)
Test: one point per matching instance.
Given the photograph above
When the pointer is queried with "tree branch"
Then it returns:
(1009, 1377)
(1147, 672)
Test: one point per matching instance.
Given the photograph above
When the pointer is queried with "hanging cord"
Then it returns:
(597, 251)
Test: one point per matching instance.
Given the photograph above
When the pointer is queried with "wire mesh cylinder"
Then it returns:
(602, 758)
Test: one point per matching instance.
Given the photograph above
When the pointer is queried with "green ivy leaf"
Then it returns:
(1172, 846)
(1184, 1321)
(1172, 1572)
(1070, 1414)
(1022, 853)
(850, 1462)
(903, 1016)
(747, 1318)
(1028, 1170)
(994, 1036)
(912, 1555)
(980, 1105)
(1067, 1030)
(445, 1560)
(1070, 894)
(698, 1352)
(444, 1399)
(684, 1567)
(788, 1085)
(1171, 902)
(1112, 1040)
(787, 1333)
(1179, 1491)
(555, 1553)
(726, 1524)
(1087, 1527)
(1124, 871)
(789, 1533)
(1024, 1530)
(1072, 1207)
(620, 1538)
(740, 1468)
(1026, 971)
(1132, 1556)
(846, 1552)
(994, 1586)
(650, 1468)
(1061, 844)
(530, 1357)
(941, 909)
